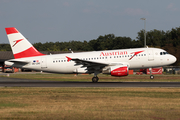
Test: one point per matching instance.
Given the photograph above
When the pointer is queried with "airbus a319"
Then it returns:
(113, 62)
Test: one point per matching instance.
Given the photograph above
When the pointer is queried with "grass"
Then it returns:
(10, 105)
(90, 103)
(102, 78)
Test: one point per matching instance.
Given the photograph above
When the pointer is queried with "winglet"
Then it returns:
(68, 58)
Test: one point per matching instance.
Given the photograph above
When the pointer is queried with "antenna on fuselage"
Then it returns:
(71, 50)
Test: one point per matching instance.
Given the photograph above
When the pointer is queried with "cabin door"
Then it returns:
(43, 62)
(150, 55)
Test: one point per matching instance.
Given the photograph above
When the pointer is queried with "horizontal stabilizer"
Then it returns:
(18, 61)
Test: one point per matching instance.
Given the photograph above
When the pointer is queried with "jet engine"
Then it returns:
(120, 70)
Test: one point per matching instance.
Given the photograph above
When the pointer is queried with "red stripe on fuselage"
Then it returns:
(31, 52)
(69, 59)
(11, 30)
(135, 53)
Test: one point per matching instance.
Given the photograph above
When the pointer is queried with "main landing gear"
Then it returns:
(95, 79)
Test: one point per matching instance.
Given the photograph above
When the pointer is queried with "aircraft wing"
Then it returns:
(91, 65)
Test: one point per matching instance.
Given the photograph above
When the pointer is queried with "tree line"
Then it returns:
(169, 41)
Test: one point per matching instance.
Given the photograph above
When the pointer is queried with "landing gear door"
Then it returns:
(43, 63)
(150, 55)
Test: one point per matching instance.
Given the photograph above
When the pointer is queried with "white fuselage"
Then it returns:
(58, 63)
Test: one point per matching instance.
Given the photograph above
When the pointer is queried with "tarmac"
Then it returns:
(17, 82)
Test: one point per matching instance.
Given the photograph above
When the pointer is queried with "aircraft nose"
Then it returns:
(173, 59)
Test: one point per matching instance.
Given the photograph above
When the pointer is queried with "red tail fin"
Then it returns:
(20, 46)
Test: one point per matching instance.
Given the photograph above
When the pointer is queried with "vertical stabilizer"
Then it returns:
(20, 46)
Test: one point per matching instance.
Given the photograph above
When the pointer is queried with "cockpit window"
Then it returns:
(163, 53)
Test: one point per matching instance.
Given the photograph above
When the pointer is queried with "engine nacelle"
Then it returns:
(81, 70)
(121, 70)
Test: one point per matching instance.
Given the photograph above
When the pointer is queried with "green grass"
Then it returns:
(10, 105)
(90, 103)
(102, 78)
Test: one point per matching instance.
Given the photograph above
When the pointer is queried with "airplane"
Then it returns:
(114, 62)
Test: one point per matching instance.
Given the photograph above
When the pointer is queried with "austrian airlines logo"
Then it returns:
(135, 53)
(113, 53)
(16, 41)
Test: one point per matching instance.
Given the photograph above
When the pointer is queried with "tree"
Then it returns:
(5, 47)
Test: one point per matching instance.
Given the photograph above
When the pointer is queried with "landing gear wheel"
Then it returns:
(95, 79)
(151, 76)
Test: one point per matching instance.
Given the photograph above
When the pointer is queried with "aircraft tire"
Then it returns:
(95, 79)
(151, 76)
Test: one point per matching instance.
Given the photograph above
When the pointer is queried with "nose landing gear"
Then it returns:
(151, 76)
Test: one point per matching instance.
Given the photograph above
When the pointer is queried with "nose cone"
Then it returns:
(173, 59)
